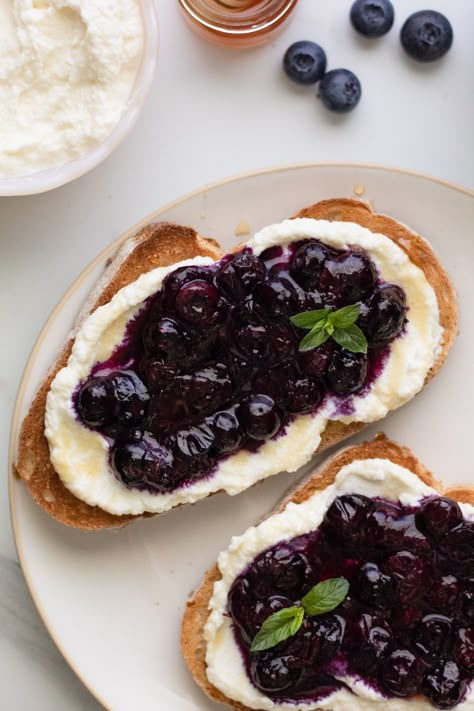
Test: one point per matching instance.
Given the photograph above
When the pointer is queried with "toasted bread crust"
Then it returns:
(157, 245)
(163, 244)
(193, 645)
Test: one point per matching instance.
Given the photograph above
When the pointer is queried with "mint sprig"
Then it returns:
(281, 625)
(340, 325)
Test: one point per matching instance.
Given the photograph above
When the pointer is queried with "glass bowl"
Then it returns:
(44, 180)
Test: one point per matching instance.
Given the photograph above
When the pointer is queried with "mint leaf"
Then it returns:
(278, 627)
(345, 317)
(313, 339)
(352, 339)
(307, 319)
(325, 596)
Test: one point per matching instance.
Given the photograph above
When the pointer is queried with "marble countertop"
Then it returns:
(211, 113)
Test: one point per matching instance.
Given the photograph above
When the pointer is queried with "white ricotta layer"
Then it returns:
(225, 669)
(67, 68)
(80, 456)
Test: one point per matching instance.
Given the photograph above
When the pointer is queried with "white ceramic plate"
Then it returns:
(112, 601)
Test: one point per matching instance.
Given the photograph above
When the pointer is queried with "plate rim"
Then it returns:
(103, 255)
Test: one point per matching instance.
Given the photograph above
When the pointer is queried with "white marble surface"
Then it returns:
(212, 113)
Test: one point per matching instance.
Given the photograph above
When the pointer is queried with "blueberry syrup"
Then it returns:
(211, 365)
(406, 626)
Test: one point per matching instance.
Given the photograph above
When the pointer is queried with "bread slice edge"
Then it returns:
(192, 642)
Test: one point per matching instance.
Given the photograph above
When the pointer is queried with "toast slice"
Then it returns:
(165, 244)
(193, 645)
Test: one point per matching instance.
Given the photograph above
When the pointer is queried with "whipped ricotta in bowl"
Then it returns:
(81, 455)
(67, 70)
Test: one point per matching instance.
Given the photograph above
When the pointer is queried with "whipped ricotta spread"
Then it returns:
(225, 668)
(80, 456)
(67, 68)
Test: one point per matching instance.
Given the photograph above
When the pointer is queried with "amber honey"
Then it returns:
(237, 24)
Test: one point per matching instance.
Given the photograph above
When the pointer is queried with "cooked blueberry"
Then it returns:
(388, 316)
(308, 262)
(347, 372)
(130, 398)
(277, 297)
(410, 575)
(304, 62)
(395, 531)
(226, 429)
(405, 619)
(442, 594)
(372, 638)
(273, 674)
(208, 388)
(349, 277)
(372, 587)
(347, 515)
(239, 274)
(248, 613)
(464, 648)
(402, 673)
(444, 685)
(426, 35)
(173, 282)
(165, 339)
(340, 90)
(467, 600)
(144, 462)
(433, 637)
(316, 361)
(155, 373)
(372, 18)
(253, 342)
(303, 395)
(191, 448)
(330, 630)
(259, 417)
(458, 546)
(279, 570)
(96, 402)
(438, 515)
(196, 302)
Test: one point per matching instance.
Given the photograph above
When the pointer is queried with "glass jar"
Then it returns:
(237, 24)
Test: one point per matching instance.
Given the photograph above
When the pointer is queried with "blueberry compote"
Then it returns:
(406, 626)
(211, 363)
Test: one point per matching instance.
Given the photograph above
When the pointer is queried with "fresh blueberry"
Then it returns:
(426, 35)
(304, 62)
(259, 417)
(402, 673)
(444, 685)
(372, 18)
(340, 90)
